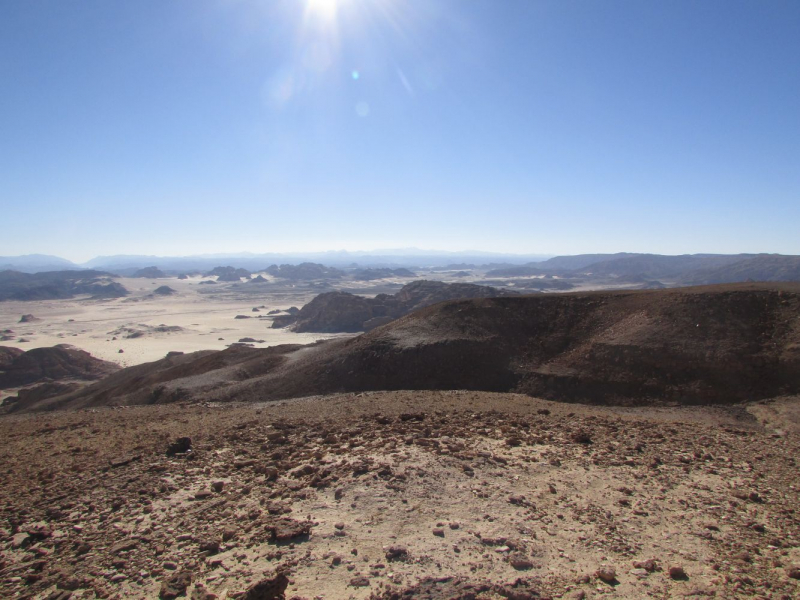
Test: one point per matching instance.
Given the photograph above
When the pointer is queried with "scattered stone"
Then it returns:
(648, 565)
(201, 593)
(677, 572)
(581, 437)
(283, 530)
(180, 446)
(175, 585)
(396, 552)
(124, 546)
(438, 532)
(607, 574)
(359, 582)
(271, 588)
(520, 562)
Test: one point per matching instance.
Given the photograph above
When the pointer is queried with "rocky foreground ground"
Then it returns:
(401, 495)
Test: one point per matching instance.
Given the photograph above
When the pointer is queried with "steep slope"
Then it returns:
(716, 344)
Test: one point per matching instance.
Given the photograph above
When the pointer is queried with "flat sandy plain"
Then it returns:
(205, 314)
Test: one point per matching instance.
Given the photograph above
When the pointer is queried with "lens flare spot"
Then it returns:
(355, 75)
(362, 109)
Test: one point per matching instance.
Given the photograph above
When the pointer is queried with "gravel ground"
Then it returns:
(401, 495)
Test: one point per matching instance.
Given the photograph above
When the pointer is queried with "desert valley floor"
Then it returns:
(147, 326)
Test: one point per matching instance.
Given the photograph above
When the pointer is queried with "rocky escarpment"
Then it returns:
(343, 312)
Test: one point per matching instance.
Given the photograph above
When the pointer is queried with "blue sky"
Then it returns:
(550, 127)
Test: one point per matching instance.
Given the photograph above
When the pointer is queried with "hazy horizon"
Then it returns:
(287, 126)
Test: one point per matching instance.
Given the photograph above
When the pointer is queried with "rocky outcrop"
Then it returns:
(149, 273)
(57, 285)
(343, 312)
(53, 364)
(164, 290)
(229, 274)
(7, 356)
(304, 271)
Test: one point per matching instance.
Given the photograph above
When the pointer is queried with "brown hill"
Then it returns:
(52, 364)
(718, 344)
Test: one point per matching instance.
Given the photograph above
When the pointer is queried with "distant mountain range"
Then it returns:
(36, 263)
(127, 264)
(687, 269)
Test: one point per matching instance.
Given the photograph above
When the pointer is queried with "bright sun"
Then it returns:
(325, 9)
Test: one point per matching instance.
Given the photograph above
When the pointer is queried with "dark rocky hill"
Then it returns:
(228, 273)
(7, 356)
(344, 312)
(304, 271)
(149, 273)
(50, 364)
(55, 285)
(716, 344)
(164, 290)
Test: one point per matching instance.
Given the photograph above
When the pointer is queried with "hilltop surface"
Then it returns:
(434, 495)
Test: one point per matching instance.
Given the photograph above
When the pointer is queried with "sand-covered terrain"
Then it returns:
(147, 326)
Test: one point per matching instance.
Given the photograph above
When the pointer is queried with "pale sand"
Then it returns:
(204, 317)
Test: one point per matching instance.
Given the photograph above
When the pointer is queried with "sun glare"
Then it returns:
(325, 9)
